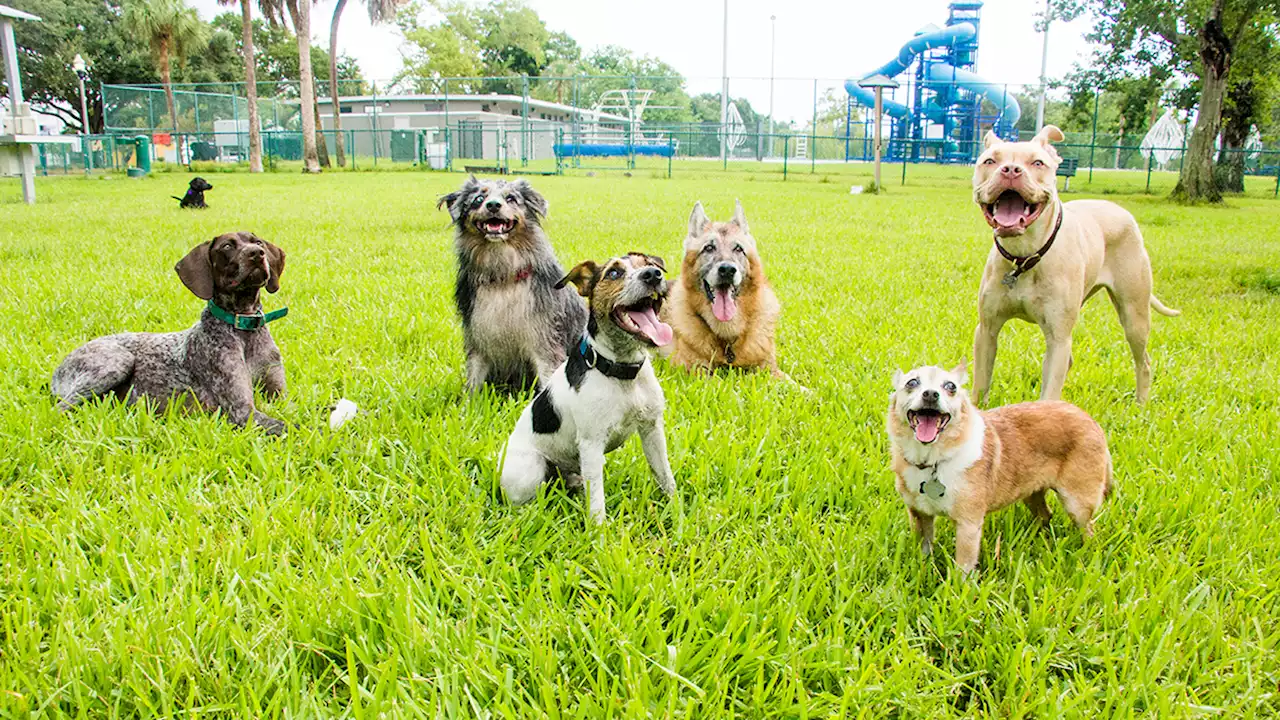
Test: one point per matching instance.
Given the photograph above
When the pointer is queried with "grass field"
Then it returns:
(174, 566)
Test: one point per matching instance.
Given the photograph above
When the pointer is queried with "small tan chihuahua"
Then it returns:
(952, 459)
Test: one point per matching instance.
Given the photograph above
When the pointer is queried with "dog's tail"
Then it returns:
(175, 197)
(1162, 308)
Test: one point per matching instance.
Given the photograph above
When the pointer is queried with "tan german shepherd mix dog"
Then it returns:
(952, 459)
(722, 308)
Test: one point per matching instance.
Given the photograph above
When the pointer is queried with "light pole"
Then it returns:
(82, 73)
(1044, 64)
(773, 46)
(724, 90)
(878, 83)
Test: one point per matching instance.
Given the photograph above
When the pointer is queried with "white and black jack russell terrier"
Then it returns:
(604, 392)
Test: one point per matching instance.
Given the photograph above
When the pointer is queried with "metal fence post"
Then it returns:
(813, 132)
(786, 150)
(1093, 141)
(1151, 160)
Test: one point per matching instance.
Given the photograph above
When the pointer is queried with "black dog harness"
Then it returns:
(595, 361)
(1022, 264)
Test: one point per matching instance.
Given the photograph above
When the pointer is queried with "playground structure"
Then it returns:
(604, 139)
(944, 116)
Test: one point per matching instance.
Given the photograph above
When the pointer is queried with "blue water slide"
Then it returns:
(998, 95)
(939, 73)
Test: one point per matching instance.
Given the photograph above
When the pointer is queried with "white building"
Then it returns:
(489, 127)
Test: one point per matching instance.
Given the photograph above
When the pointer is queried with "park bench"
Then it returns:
(1068, 170)
(485, 169)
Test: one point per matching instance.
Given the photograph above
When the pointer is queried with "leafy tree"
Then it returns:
(170, 28)
(1251, 94)
(436, 51)
(1195, 37)
(91, 28)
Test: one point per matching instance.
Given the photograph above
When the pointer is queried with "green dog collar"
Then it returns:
(256, 321)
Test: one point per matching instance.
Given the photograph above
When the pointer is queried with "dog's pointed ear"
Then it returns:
(990, 139)
(532, 198)
(961, 372)
(739, 217)
(275, 265)
(897, 380)
(196, 271)
(698, 220)
(583, 276)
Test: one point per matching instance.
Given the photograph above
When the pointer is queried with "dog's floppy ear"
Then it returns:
(897, 379)
(196, 271)
(583, 276)
(453, 200)
(275, 265)
(532, 198)
(991, 138)
(1050, 134)
(655, 260)
(739, 217)
(961, 372)
(698, 220)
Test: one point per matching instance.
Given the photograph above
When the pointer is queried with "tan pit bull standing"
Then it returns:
(1050, 257)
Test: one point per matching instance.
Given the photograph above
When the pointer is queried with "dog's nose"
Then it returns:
(493, 205)
(254, 251)
(1011, 170)
(651, 276)
(726, 272)
(930, 396)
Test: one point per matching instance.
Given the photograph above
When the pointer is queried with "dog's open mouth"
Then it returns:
(723, 299)
(1010, 212)
(927, 423)
(496, 226)
(641, 320)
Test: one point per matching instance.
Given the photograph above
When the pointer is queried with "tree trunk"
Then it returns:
(166, 78)
(334, 90)
(322, 145)
(1237, 121)
(301, 12)
(251, 88)
(1197, 183)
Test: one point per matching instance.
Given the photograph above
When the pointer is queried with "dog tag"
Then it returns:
(932, 488)
(1010, 279)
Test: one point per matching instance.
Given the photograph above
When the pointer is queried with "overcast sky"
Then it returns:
(815, 39)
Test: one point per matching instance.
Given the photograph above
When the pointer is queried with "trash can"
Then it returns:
(143, 145)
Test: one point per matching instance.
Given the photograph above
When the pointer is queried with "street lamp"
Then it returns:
(724, 91)
(1044, 64)
(878, 83)
(773, 45)
(82, 73)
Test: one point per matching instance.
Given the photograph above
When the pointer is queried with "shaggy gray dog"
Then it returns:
(516, 324)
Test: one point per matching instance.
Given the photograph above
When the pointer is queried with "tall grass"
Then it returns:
(174, 566)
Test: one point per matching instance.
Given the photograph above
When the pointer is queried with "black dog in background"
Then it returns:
(195, 195)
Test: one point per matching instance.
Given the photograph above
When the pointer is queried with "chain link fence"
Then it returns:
(554, 125)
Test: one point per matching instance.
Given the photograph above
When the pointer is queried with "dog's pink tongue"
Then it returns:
(724, 307)
(927, 428)
(653, 328)
(1009, 209)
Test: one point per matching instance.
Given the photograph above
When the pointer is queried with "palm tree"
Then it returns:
(301, 14)
(380, 11)
(170, 27)
(251, 79)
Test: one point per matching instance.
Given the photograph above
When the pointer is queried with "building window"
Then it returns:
(515, 111)
(433, 106)
(346, 109)
(484, 108)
